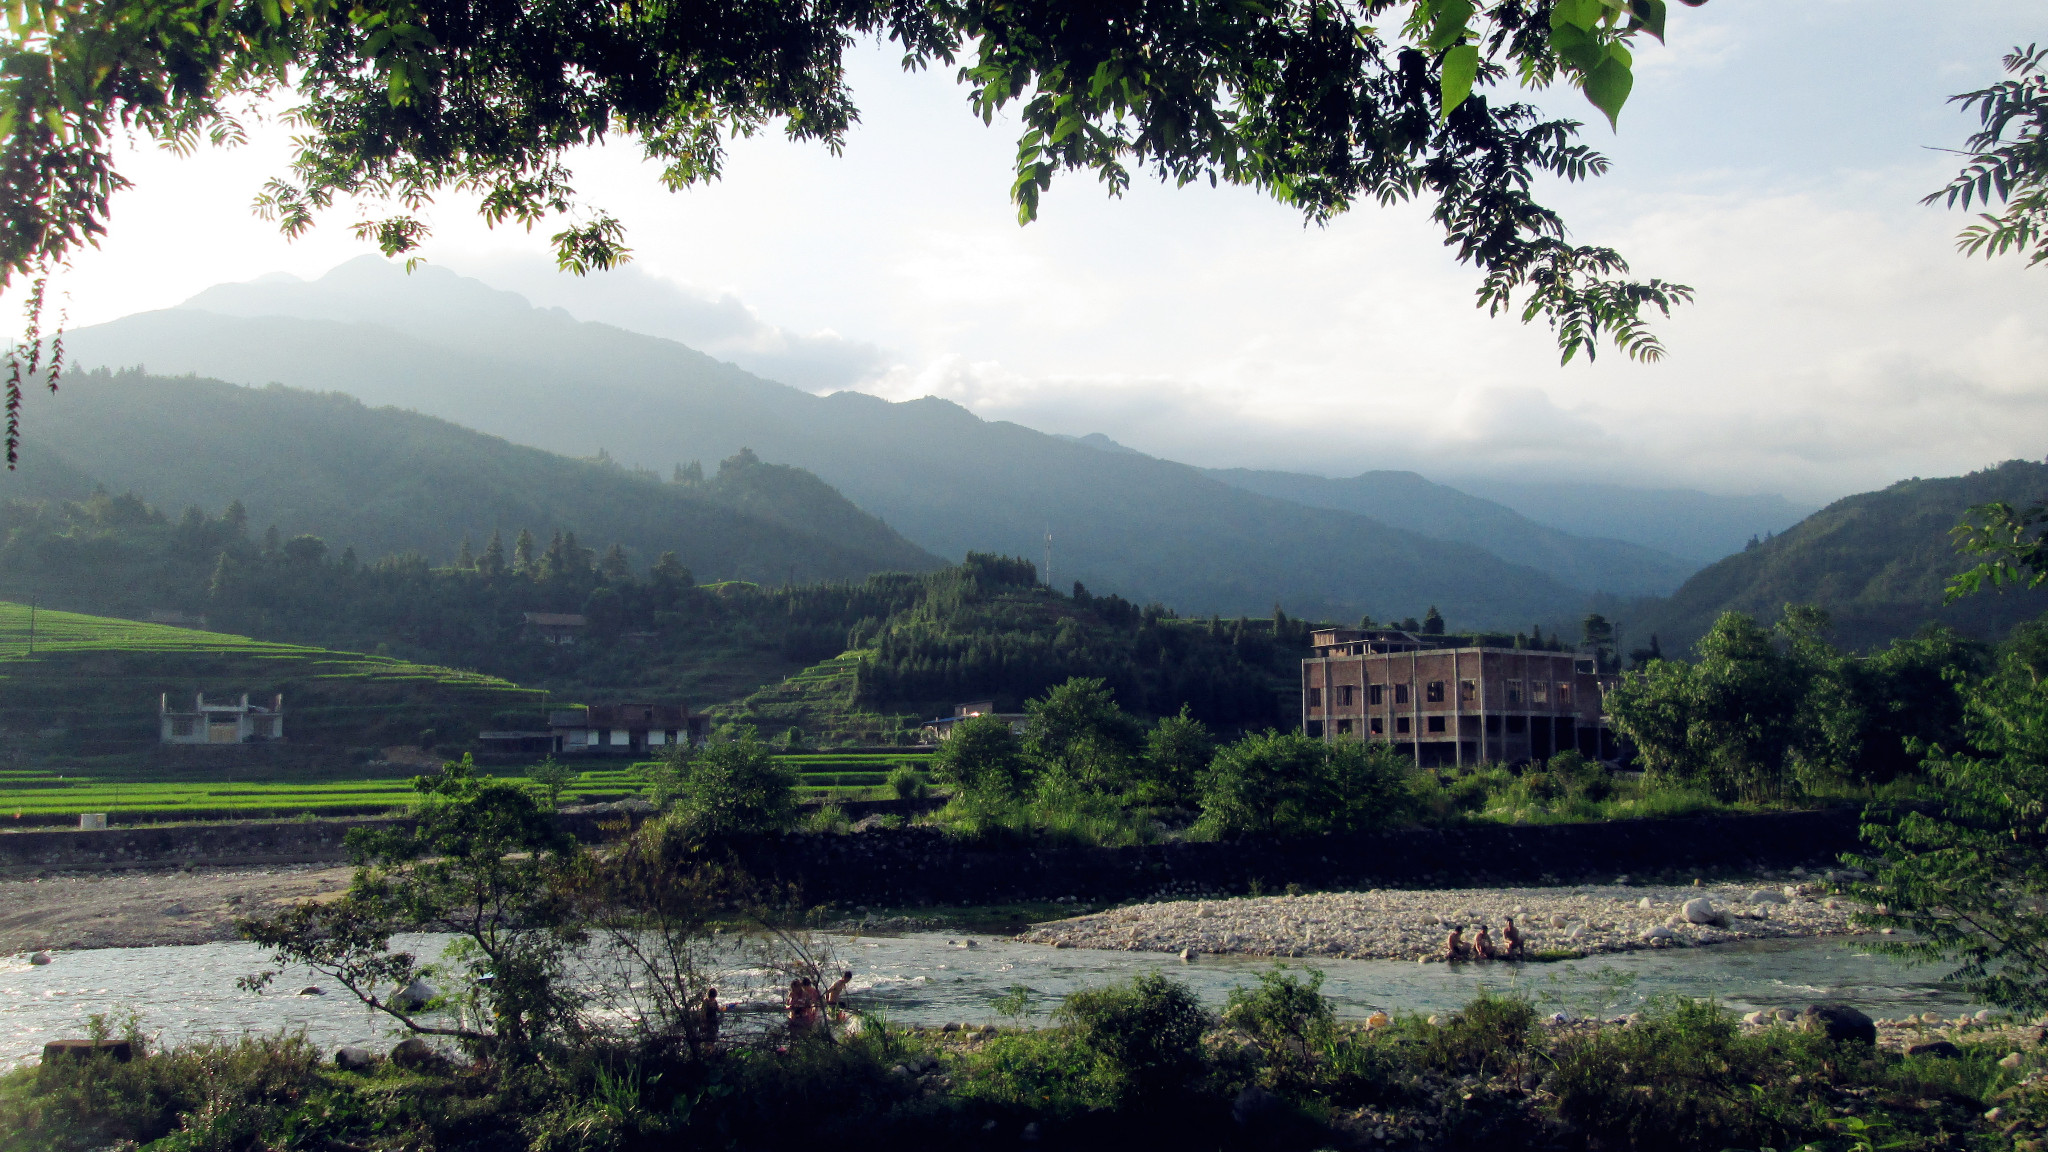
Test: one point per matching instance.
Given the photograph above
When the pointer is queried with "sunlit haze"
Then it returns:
(1773, 158)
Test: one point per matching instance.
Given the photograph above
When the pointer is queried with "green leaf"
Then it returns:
(1451, 19)
(1608, 86)
(1580, 14)
(1578, 48)
(1650, 14)
(1461, 67)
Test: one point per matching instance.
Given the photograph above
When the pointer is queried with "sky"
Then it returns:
(1772, 156)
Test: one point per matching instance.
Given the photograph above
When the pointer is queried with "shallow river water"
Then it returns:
(189, 992)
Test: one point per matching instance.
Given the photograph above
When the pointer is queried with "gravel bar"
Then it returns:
(1395, 924)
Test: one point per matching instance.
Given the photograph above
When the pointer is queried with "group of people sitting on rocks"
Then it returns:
(1482, 947)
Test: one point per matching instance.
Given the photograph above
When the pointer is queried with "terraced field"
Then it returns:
(818, 700)
(32, 796)
(76, 678)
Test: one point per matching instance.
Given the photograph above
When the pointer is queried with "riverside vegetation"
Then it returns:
(566, 1017)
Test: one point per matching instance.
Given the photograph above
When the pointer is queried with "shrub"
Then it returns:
(905, 783)
(734, 789)
(982, 757)
(1285, 783)
(1144, 1035)
(1684, 1077)
(1289, 1019)
(1489, 1036)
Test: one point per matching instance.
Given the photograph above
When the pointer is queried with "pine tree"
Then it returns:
(464, 560)
(616, 568)
(494, 555)
(1432, 622)
(237, 518)
(523, 558)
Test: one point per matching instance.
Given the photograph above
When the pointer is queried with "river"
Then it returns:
(188, 992)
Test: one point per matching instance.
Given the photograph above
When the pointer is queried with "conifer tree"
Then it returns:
(523, 558)
(494, 555)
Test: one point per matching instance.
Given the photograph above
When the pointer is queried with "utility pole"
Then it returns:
(1048, 555)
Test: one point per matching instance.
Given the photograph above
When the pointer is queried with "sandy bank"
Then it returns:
(1392, 924)
(138, 909)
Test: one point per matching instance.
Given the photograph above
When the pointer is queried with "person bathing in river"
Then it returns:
(833, 993)
(799, 1008)
(1512, 937)
(1455, 947)
(708, 1014)
(1482, 945)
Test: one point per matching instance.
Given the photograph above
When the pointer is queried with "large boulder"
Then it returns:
(120, 1050)
(353, 1059)
(1701, 910)
(1839, 1022)
(416, 1055)
(1766, 896)
(1941, 1048)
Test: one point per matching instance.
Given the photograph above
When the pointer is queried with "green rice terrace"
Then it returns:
(92, 680)
(819, 702)
(132, 793)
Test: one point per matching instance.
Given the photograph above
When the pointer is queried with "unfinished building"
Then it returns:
(1450, 704)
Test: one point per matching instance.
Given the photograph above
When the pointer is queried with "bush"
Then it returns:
(1288, 784)
(734, 789)
(1490, 1036)
(1287, 1018)
(1684, 1077)
(1145, 1035)
(982, 757)
(905, 783)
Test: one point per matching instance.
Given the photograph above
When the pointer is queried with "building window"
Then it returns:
(1517, 723)
(1493, 724)
(1436, 723)
(1372, 694)
(1514, 693)
(1379, 726)
(1539, 691)
(1315, 727)
(1346, 693)
(1401, 696)
(1468, 690)
(1343, 727)
(1564, 694)
(1315, 697)
(1435, 692)
(1401, 725)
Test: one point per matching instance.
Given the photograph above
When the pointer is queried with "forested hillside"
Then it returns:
(1877, 562)
(1406, 500)
(387, 481)
(1145, 528)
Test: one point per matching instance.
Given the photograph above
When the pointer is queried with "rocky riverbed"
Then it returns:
(1393, 924)
(140, 909)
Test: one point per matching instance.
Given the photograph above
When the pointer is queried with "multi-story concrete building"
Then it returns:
(1452, 705)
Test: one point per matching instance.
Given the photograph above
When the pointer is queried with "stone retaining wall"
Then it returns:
(922, 866)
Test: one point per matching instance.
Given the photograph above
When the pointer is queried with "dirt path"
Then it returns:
(138, 909)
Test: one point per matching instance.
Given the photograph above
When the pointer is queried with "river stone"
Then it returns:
(1941, 1048)
(1839, 1022)
(415, 1055)
(1557, 921)
(1701, 911)
(353, 1059)
(1660, 933)
(1766, 896)
(1643, 903)
(415, 996)
(121, 1050)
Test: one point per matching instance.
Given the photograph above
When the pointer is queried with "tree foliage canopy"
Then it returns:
(1318, 104)
(2008, 161)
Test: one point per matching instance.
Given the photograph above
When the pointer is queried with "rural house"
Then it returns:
(623, 729)
(556, 627)
(936, 731)
(221, 723)
(1452, 705)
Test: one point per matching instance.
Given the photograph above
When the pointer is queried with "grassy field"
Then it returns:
(74, 678)
(36, 796)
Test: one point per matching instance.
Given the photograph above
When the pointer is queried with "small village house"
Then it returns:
(941, 729)
(623, 729)
(218, 722)
(556, 627)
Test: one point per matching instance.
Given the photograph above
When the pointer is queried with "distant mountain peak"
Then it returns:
(1101, 443)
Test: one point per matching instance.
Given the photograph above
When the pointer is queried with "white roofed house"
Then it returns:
(220, 721)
